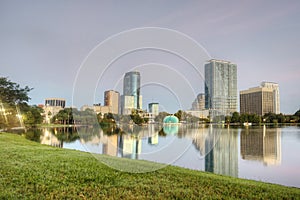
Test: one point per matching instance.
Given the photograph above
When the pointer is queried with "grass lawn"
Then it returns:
(29, 170)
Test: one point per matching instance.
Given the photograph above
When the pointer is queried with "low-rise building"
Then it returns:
(52, 107)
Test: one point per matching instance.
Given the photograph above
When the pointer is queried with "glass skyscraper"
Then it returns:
(131, 87)
(221, 87)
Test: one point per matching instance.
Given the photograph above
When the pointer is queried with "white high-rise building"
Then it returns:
(154, 108)
(275, 88)
(221, 87)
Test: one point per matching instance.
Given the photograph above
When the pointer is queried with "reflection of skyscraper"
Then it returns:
(110, 147)
(261, 145)
(199, 136)
(153, 135)
(222, 152)
(130, 146)
(131, 87)
(221, 87)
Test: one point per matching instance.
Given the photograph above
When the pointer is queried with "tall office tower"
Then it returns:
(199, 103)
(276, 97)
(221, 87)
(131, 87)
(111, 99)
(260, 100)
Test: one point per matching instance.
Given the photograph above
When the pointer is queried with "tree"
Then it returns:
(235, 117)
(191, 119)
(13, 102)
(11, 93)
(179, 114)
(297, 113)
(227, 119)
(160, 117)
(64, 116)
(244, 118)
(32, 115)
(137, 119)
(270, 117)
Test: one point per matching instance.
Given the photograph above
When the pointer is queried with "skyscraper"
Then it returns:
(154, 108)
(275, 88)
(260, 100)
(111, 99)
(221, 87)
(199, 103)
(153, 111)
(131, 87)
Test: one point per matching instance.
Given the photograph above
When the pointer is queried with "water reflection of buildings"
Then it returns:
(130, 146)
(110, 146)
(198, 136)
(127, 144)
(49, 138)
(262, 145)
(221, 152)
(218, 145)
(153, 135)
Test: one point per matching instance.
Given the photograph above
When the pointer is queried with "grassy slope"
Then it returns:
(35, 171)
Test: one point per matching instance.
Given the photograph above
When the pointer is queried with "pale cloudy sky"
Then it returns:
(43, 43)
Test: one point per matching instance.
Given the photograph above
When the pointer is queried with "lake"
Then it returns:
(268, 154)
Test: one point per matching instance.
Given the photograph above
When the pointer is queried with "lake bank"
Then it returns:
(31, 170)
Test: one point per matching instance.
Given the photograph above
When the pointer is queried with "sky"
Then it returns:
(45, 43)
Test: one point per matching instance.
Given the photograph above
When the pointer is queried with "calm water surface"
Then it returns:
(260, 153)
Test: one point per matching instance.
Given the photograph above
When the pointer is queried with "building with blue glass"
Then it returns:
(131, 91)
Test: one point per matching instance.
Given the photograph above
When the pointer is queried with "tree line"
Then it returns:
(266, 118)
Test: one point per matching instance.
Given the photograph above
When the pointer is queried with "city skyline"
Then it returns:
(48, 41)
(222, 92)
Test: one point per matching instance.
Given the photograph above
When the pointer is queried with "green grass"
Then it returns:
(54, 125)
(29, 170)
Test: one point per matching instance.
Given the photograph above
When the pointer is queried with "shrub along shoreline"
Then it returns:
(29, 170)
